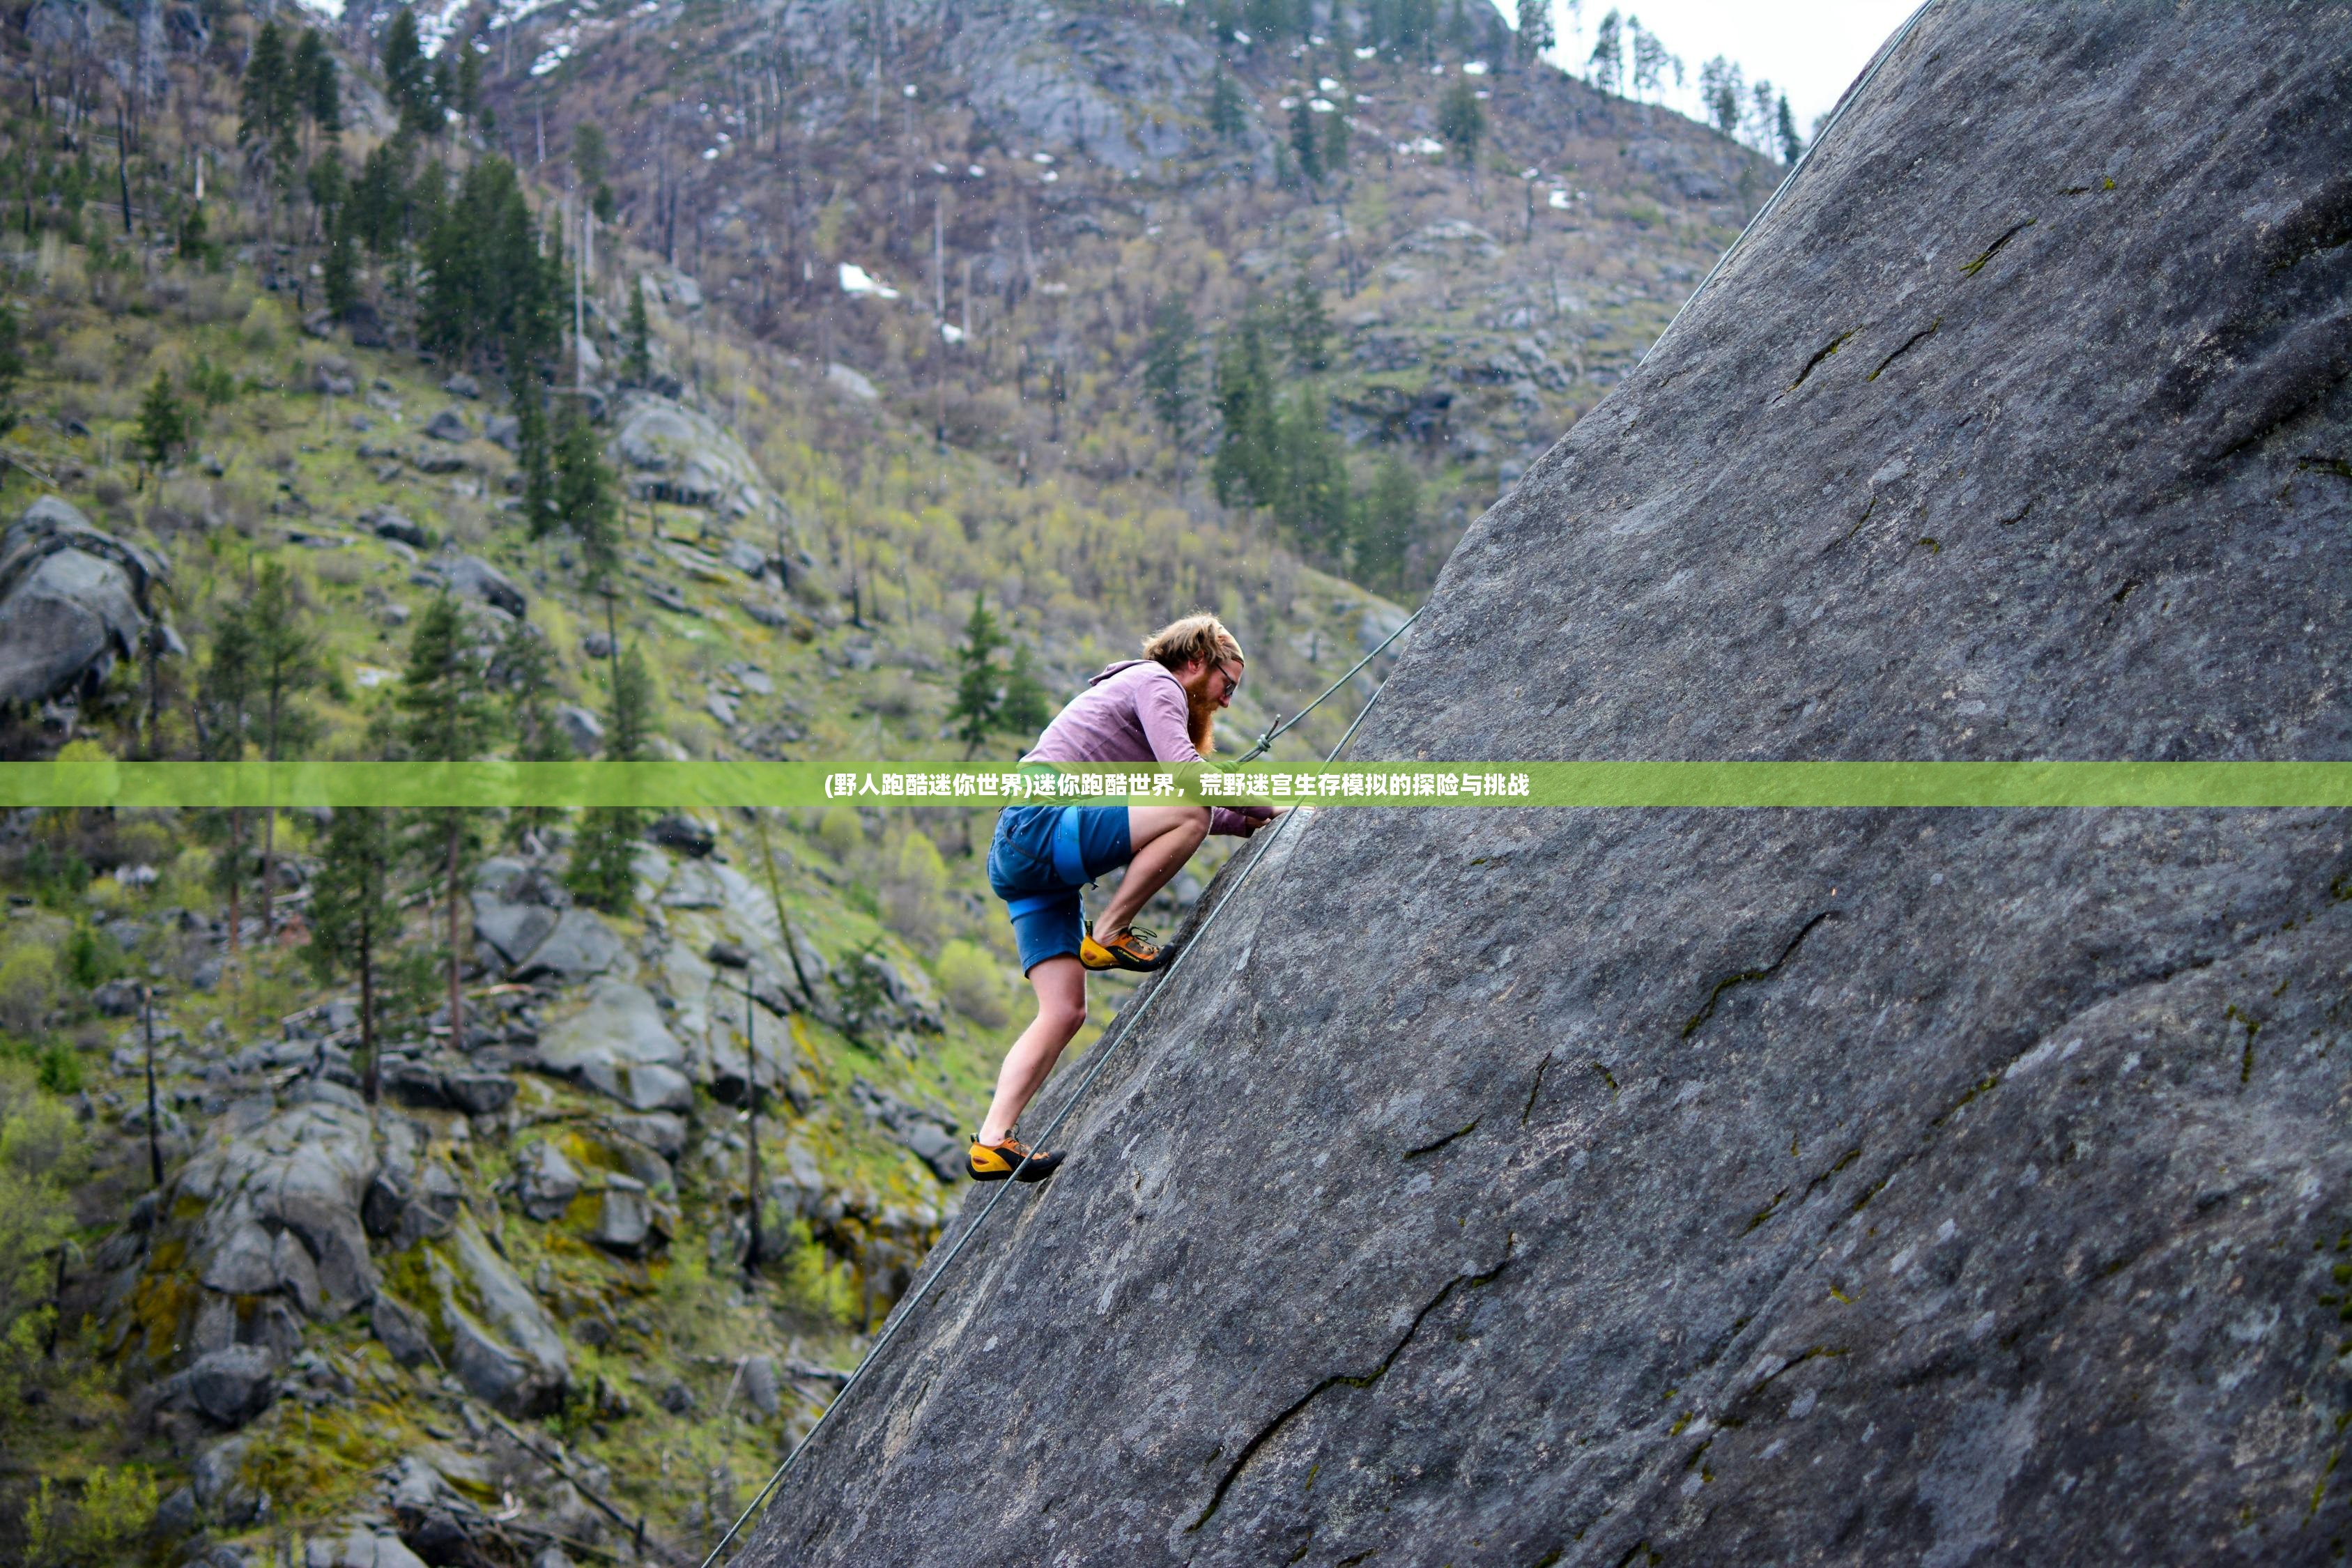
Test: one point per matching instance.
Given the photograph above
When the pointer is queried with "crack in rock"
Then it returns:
(1342, 1380)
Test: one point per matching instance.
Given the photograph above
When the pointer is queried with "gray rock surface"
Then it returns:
(450, 424)
(230, 1385)
(546, 1182)
(579, 945)
(73, 600)
(617, 1043)
(506, 1347)
(403, 1334)
(471, 577)
(684, 457)
(624, 1218)
(581, 727)
(515, 929)
(1853, 1187)
(282, 1206)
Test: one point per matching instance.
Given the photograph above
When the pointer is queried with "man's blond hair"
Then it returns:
(1195, 640)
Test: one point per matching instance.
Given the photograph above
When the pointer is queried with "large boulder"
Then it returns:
(504, 1346)
(72, 601)
(1773, 1186)
(471, 577)
(616, 1042)
(281, 1208)
(545, 1181)
(578, 945)
(682, 456)
(514, 930)
(230, 1386)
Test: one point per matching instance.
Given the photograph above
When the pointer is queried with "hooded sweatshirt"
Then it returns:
(1134, 711)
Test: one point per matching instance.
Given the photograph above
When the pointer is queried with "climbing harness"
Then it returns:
(1837, 112)
(1122, 1027)
(1266, 740)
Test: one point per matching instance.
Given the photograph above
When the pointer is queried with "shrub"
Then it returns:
(116, 1507)
(59, 1069)
(28, 982)
(812, 1283)
(93, 957)
(973, 983)
(914, 883)
(840, 832)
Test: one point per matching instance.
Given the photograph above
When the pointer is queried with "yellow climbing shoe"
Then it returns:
(1131, 949)
(994, 1161)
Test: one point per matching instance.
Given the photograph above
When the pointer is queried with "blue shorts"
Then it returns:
(1041, 857)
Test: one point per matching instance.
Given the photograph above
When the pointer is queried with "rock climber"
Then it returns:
(1161, 708)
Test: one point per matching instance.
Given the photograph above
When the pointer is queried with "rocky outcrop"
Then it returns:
(617, 1043)
(501, 1341)
(1775, 1186)
(73, 600)
(682, 456)
(281, 1213)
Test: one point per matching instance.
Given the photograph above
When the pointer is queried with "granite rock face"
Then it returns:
(1859, 1186)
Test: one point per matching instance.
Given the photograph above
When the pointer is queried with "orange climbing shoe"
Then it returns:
(1130, 948)
(994, 1161)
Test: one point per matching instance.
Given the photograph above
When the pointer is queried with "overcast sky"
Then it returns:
(1811, 49)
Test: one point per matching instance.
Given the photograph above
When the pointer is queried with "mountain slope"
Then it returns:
(1842, 1186)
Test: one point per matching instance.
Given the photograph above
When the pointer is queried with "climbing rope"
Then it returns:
(1837, 112)
(1266, 740)
(1122, 1027)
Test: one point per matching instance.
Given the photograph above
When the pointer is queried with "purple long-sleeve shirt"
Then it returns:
(1135, 712)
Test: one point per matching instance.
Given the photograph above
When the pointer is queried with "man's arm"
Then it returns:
(1167, 724)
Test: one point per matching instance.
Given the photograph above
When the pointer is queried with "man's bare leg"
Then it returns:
(1163, 837)
(1061, 986)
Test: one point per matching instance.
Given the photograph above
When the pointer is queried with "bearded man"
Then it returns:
(1161, 708)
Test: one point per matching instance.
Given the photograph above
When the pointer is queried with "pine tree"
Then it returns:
(223, 713)
(270, 95)
(630, 723)
(353, 915)
(588, 154)
(12, 365)
(317, 88)
(330, 191)
(1228, 110)
(1304, 142)
(1025, 710)
(1535, 29)
(285, 662)
(1652, 63)
(602, 874)
(585, 497)
(1339, 131)
(1311, 503)
(638, 362)
(1306, 325)
(1168, 367)
(340, 274)
(1606, 65)
(1386, 521)
(1792, 146)
(1245, 469)
(446, 715)
(534, 455)
(407, 79)
(468, 92)
(492, 282)
(1461, 121)
(164, 421)
(525, 670)
(1720, 85)
(978, 709)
